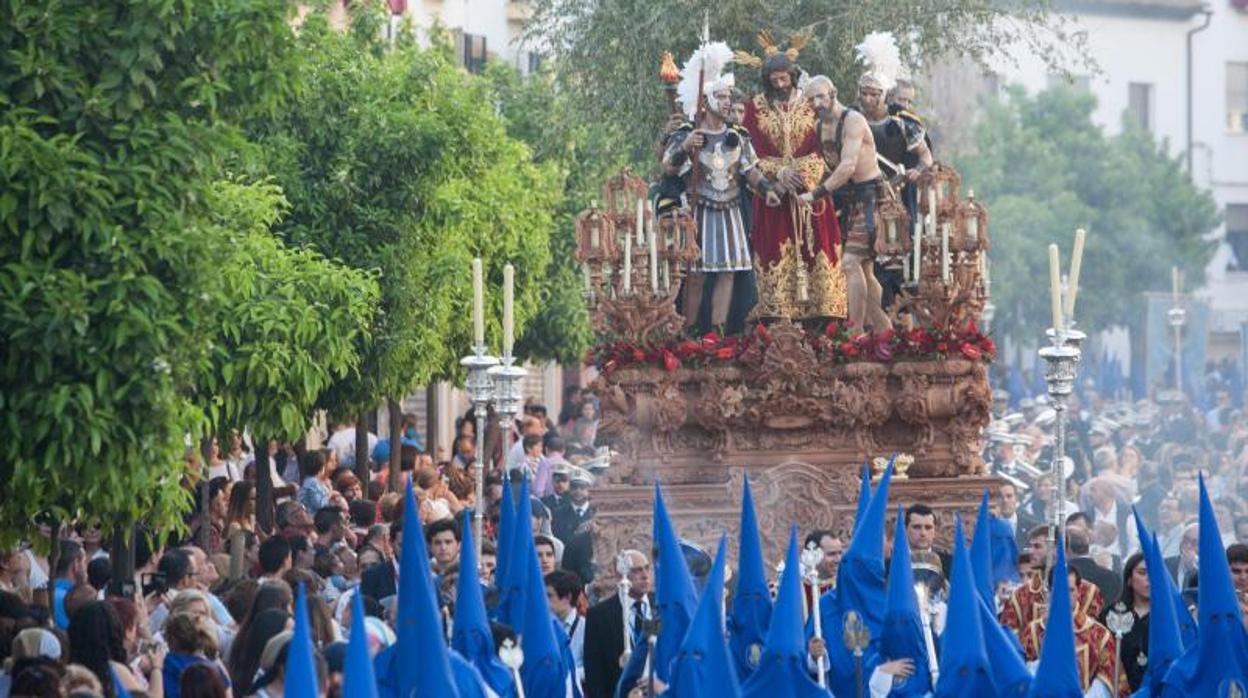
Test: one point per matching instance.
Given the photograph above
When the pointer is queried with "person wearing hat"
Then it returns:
(560, 482)
(572, 523)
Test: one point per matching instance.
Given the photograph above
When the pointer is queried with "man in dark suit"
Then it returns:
(1078, 547)
(921, 534)
(381, 580)
(1019, 521)
(573, 523)
(605, 625)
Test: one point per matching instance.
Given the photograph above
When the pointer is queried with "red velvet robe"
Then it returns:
(1095, 649)
(795, 248)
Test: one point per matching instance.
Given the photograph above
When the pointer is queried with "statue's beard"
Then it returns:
(781, 94)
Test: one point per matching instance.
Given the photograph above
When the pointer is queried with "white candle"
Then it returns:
(641, 221)
(931, 200)
(478, 304)
(983, 270)
(1055, 288)
(905, 268)
(944, 252)
(628, 264)
(1076, 263)
(594, 235)
(1174, 283)
(667, 277)
(654, 263)
(918, 248)
(509, 278)
(589, 279)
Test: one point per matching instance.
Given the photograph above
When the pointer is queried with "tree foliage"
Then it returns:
(393, 160)
(1045, 169)
(288, 323)
(606, 54)
(113, 124)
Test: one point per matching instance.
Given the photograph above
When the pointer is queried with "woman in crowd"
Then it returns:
(192, 640)
(203, 681)
(348, 485)
(96, 641)
(240, 515)
(256, 630)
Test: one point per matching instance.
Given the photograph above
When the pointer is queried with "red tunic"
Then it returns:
(1095, 649)
(795, 247)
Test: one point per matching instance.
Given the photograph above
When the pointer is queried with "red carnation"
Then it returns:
(687, 348)
(883, 351)
(832, 329)
(970, 351)
(724, 353)
(638, 355)
(849, 349)
(988, 346)
(942, 348)
(670, 362)
(710, 340)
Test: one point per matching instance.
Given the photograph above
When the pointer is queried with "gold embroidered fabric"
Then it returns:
(787, 129)
(779, 294)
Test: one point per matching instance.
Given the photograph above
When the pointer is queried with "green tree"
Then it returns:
(606, 54)
(289, 322)
(114, 122)
(394, 160)
(1045, 169)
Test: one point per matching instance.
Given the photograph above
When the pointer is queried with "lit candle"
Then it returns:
(628, 264)
(509, 280)
(478, 304)
(654, 262)
(1055, 288)
(641, 221)
(1076, 263)
(944, 252)
(918, 248)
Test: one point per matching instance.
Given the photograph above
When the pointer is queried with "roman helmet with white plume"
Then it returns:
(878, 52)
(708, 62)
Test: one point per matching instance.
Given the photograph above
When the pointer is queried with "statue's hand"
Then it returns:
(773, 199)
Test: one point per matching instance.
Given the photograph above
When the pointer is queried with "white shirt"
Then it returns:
(342, 443)
(1111, 517)
(574, 626)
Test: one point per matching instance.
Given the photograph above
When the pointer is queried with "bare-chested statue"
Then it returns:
(854, 183)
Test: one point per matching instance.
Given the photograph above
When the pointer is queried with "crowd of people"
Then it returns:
(209, 612)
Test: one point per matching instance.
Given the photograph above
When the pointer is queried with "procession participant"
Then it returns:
(795, 246)
(1095, 648)
(848, 147)
(723, 153)
(605, 624)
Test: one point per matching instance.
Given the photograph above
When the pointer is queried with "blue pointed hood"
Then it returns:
(544, 672)
(860, 586)
(751, 604)
(703, 667)
(1004, 552)
(964, 669)
(674, 594)
(864, 492)
(300, 667)
(511, 595)
(903, 626)
(506, 525)
(472, 637)
(424, 666)
(1220, 655)
(1165, 644)
(1057, 675)
(981, 553)
(634, 670)
(782, 671)
(358, 679)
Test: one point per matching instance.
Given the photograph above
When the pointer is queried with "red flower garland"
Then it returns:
(836, 344)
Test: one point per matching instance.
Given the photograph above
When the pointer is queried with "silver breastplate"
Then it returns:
(719, 163)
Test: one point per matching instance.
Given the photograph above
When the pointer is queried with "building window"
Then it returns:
(474, 53)
(535, 62)
(1237, 97)
(1140, 104)
(1237, 236)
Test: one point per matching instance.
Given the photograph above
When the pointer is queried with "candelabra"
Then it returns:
(1177, 316)
(856, 637)
(508, 398)
(1119, 620)
(1061, 367)
(480, 392)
